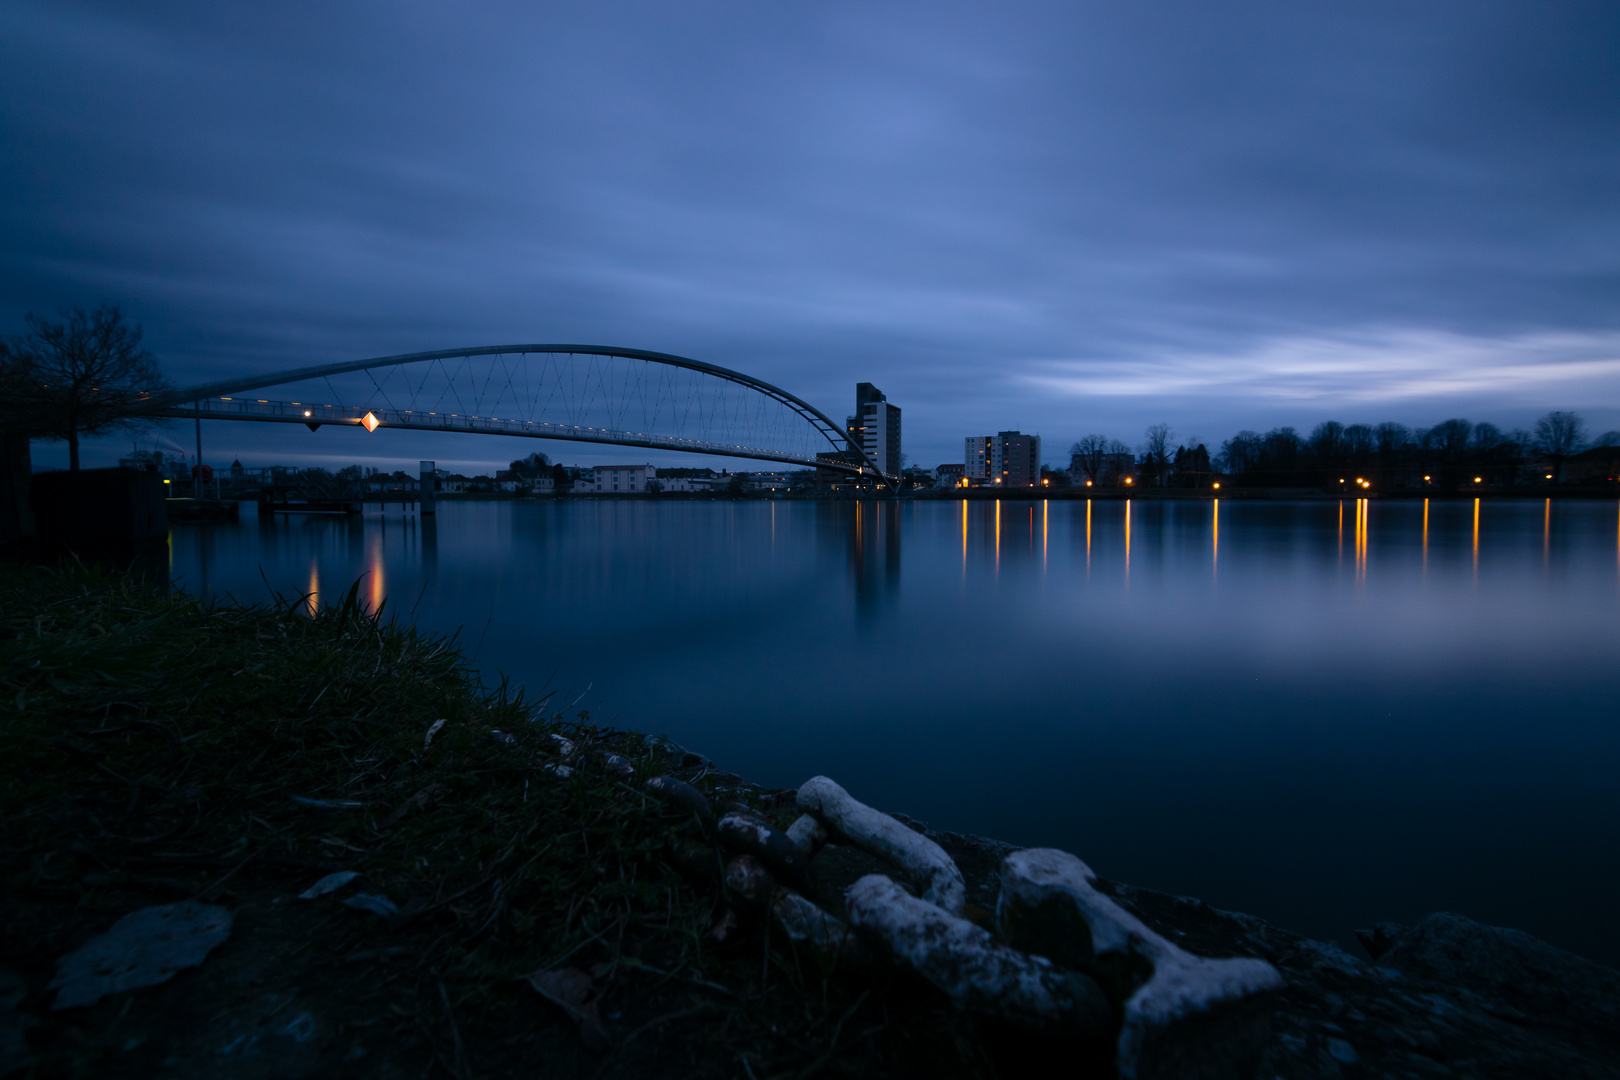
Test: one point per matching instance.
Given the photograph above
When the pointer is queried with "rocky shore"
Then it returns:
(1444, 997)
(261, 842)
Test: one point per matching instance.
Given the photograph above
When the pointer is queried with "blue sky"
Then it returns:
(1061, 218)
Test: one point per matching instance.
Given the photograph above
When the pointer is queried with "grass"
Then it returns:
(160, 747)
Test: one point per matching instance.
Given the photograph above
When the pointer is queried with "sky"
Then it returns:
(1062, 218)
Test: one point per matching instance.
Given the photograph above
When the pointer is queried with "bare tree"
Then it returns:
(1088, 456)
(1327, 442)
(83, 376)
(1241, 452)
(1450, 438)
(1558, 435)
(1392, 439)
(1156, 450)
(1359, 440)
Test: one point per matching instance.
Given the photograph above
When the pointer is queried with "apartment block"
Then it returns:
(619, 479)
(875, 428)
(1008, 458)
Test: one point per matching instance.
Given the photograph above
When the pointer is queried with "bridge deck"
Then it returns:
(294, 412)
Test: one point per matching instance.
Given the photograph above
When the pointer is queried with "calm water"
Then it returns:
(1327, 715)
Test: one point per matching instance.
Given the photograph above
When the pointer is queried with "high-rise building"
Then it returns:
(1008, 458)
(875, 428)
(976, 457)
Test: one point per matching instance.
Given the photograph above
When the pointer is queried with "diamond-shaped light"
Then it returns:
(370, 421)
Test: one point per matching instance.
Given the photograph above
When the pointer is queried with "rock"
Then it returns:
(800, 920)
(807, 834)
(144, 948)
(748, 833)
(1378, 940)
(1183, 1016)
(919, 858)
(1523, 972)
(725, 929)
(829, 938)
(749, 879)
(681, 795)
(972, 969)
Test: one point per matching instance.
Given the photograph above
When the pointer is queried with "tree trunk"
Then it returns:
(73, 449)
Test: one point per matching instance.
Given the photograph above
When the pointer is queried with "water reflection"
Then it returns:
(874, 551)
(1071, 673)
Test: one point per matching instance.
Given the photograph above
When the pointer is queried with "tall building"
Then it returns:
(1008, 458)
(875, 428)
(976, 457)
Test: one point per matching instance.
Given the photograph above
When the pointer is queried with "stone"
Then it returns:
(749, 879)
(748, 833)
(1523, 972)
(972, 969)
(1182, 1015)
(800, 920)
(807, 834)
(681, 795)
(920, 859)
(144, 948)
(805, 924)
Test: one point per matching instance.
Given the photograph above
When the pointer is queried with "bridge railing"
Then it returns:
(315, 415)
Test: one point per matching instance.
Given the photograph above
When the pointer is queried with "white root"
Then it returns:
(972, 969)
(919, 858)
(1049, 905)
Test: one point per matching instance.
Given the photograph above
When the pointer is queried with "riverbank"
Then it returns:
(163, 751)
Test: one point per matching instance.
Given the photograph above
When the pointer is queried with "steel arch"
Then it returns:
(175, 402)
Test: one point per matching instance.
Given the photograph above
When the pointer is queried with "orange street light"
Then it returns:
(1217, 485)
(1479, 479)
(1088, 483)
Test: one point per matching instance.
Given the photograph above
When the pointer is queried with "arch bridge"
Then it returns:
(578, 393)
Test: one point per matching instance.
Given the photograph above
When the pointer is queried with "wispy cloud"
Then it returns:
(1396, 366)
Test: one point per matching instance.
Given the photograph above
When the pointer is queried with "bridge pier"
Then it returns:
(426, 486)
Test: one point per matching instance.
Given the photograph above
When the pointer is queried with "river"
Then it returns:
(1326, 714)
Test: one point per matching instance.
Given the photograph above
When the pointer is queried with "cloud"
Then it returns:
(1172, 207)
(1391, 367)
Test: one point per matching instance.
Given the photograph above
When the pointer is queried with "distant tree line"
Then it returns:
(1449, 454)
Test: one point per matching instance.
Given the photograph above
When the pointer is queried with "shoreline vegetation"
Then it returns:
(413, 870)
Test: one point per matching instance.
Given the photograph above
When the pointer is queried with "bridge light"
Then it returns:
(370, 422)
(307, 412)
